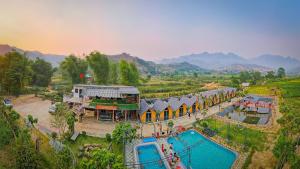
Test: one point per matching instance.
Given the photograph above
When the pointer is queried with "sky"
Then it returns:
(153, 29)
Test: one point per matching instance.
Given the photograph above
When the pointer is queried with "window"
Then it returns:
(181, 111)
(194, 108)
(166, 114)
(148, 116)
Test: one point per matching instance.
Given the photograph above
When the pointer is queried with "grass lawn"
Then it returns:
(238, 134)
(260, 90)
(251, 120)
(81, 140)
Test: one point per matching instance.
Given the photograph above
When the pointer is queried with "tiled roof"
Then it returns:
(107, 91)
(160, 105)
(144, 106)
(174, 103)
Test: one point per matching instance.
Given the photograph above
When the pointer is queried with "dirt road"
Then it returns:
(38, 108)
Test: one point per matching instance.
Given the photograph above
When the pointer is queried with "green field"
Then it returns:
(166, 86)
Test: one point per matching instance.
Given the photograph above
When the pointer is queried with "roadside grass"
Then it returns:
(7, 157)
(236, 134)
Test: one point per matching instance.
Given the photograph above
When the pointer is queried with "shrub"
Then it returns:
(108, 137)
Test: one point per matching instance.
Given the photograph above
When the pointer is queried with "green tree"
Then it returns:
(281, 72)
(129, 73)
(270, 75)
(244, 76)
(124, 72)
(64, 159)
(5, 133)
(255, 77)
(14, 73)
(71, 122)
(123, 132)
(73, 67)
(41, 72)
(60, 119)
(102, 159)
(100, 65)
(32, 120)
(235, 82)
(108, 137)
(113, 73)
(133, 74)
(26, 156)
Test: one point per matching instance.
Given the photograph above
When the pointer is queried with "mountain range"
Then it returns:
(233, 62)
(201, 63)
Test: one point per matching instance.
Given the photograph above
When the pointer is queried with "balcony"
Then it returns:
(119, 104)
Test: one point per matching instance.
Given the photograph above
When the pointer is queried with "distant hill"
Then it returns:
(202, 62)
(294, 71)
(236, 68)
(276, 61)
(208, 60)
(231, 62)
(145, 67)
(52, 58)
(149, 67)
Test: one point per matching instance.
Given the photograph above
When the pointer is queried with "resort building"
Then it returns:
(257, 104)
(122, 103)
(251, 109)
(107, 102)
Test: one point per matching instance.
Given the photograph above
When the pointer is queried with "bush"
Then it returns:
(5, 133)
(108, 137)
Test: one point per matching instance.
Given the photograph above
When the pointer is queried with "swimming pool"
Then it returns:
(149, 155)
(204, 153)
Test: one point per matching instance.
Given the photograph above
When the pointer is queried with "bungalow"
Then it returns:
(175, 104)
(162, 109)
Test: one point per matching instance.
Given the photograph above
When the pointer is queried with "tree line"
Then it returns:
(100, 69)
(254, 77)
(17, 71)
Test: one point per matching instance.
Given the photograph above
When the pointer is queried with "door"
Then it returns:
(148, 117)
(181, 111)
(166, 114)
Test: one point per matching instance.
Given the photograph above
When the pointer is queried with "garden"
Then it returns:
(234, 134)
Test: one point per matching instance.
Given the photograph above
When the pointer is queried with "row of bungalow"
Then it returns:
(152, 110)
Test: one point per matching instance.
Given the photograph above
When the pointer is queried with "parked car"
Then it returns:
(53, 108)
(7, 103)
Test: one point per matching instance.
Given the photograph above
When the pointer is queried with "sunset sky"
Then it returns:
(152, 29)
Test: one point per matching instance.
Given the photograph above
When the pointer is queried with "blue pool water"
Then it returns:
(150, 139)
(149, 155)
(205, 154)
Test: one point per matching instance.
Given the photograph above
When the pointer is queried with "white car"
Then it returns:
(7, 103)
(53, 107)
